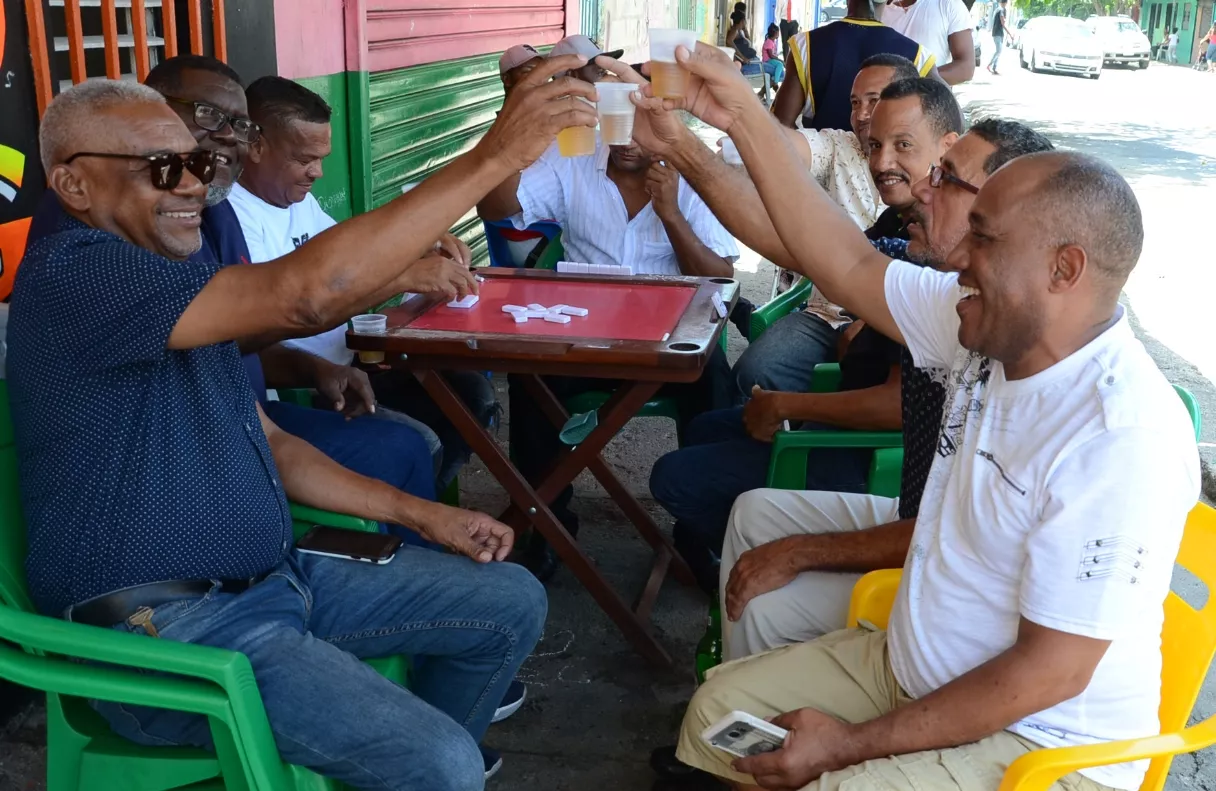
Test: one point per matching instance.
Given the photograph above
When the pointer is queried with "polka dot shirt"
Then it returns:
(138, 464)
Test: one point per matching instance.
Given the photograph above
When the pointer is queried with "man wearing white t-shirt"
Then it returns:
(1030, 610)
(279, 213)
(941, 26)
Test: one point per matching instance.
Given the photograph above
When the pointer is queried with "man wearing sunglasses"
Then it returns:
(207, 95)
(123, 363)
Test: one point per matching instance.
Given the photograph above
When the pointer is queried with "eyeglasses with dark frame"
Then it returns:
(213, 119)
(165, 169)
(937, 175)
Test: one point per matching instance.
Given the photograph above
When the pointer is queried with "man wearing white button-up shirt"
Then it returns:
(618, 207)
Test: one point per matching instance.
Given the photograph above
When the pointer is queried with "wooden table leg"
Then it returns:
(614, 412)
(527, 499)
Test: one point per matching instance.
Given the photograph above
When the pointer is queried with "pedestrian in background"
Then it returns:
(1172, 54)
(1000, 31)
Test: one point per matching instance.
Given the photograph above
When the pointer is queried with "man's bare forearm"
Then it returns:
(311, 478)
(1031, 676)
(385, 240)
(693, 256)
(880, 547)
(867, 409)
(731, 196)
(286, 367)
(501, 202)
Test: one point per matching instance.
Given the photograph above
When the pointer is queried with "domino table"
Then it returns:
(640, 331)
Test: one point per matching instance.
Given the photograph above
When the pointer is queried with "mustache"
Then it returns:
(899, 174)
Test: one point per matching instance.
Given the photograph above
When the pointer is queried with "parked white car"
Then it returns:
(1061, 44)
(1122, 40)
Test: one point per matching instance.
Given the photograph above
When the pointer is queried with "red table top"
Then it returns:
(625, 311)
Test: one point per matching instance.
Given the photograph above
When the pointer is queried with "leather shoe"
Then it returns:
(539, 557)
(665, 764)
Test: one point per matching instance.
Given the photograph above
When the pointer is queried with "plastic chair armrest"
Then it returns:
(1038, 770)
(787, 461)
(300, 396)
(305, 517)
(229, 669)
(873, 596)
(767, 314)
(826, 378)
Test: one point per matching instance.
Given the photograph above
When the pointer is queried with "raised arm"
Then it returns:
(727, 190)
(341, 271)
(502, 201)
(824, 244)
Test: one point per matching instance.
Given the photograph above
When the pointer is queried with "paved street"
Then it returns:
(595, 709)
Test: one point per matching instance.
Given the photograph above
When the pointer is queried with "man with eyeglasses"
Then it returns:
(156, 489)
(1029, 610)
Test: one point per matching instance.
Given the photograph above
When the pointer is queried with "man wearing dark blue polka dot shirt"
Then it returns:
(123, 362)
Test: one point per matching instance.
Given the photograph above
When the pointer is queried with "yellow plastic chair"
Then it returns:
(1188, 642)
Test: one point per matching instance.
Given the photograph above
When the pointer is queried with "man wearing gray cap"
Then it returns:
(581, 45)
(515, 63)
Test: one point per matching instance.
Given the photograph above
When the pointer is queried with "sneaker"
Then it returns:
(512, 699)
(492, 761)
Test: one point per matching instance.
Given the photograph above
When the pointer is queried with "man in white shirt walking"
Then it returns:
(279, 213)
(941, 26)
(1030, 610)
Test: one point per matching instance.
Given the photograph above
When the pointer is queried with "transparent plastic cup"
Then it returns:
(577, 141)
(616, 112)
(667, 79)
(370, 324)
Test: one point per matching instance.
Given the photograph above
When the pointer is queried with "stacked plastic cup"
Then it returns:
(616, 112)
(370, 324)
(667, 79)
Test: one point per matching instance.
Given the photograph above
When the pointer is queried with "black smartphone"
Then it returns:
(378, 548)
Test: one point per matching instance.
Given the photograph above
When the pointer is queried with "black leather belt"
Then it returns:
(113, 608)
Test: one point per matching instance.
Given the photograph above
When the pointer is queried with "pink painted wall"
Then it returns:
(310, 37)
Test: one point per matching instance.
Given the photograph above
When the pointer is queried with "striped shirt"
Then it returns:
(827, 59)
(576, 193)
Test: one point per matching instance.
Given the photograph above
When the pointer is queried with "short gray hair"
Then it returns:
(71, 117)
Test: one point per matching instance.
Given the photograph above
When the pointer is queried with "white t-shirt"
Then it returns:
(1059, 498)
(576, 193)
(272, 233)
(930, 23)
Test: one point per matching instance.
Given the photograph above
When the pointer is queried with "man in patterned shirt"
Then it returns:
(124, 361)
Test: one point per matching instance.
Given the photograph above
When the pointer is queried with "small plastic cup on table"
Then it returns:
(370, 324)
(577, 141)
(668, 80)
(616, 112)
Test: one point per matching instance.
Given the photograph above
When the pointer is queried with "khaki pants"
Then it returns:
(816, 602)
(845, 674)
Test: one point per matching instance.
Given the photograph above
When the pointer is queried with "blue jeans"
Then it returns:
(305, 629)
(698, 483)
(775, 69)
(785, 356)
(385, 450)
(998, 44)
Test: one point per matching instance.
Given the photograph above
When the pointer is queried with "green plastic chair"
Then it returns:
(788, 459)
(83, 754)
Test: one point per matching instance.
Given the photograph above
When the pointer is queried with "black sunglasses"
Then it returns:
(937, 176)
(166, 169)
(213, 119)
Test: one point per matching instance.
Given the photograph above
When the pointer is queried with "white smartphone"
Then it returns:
(743, 735)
